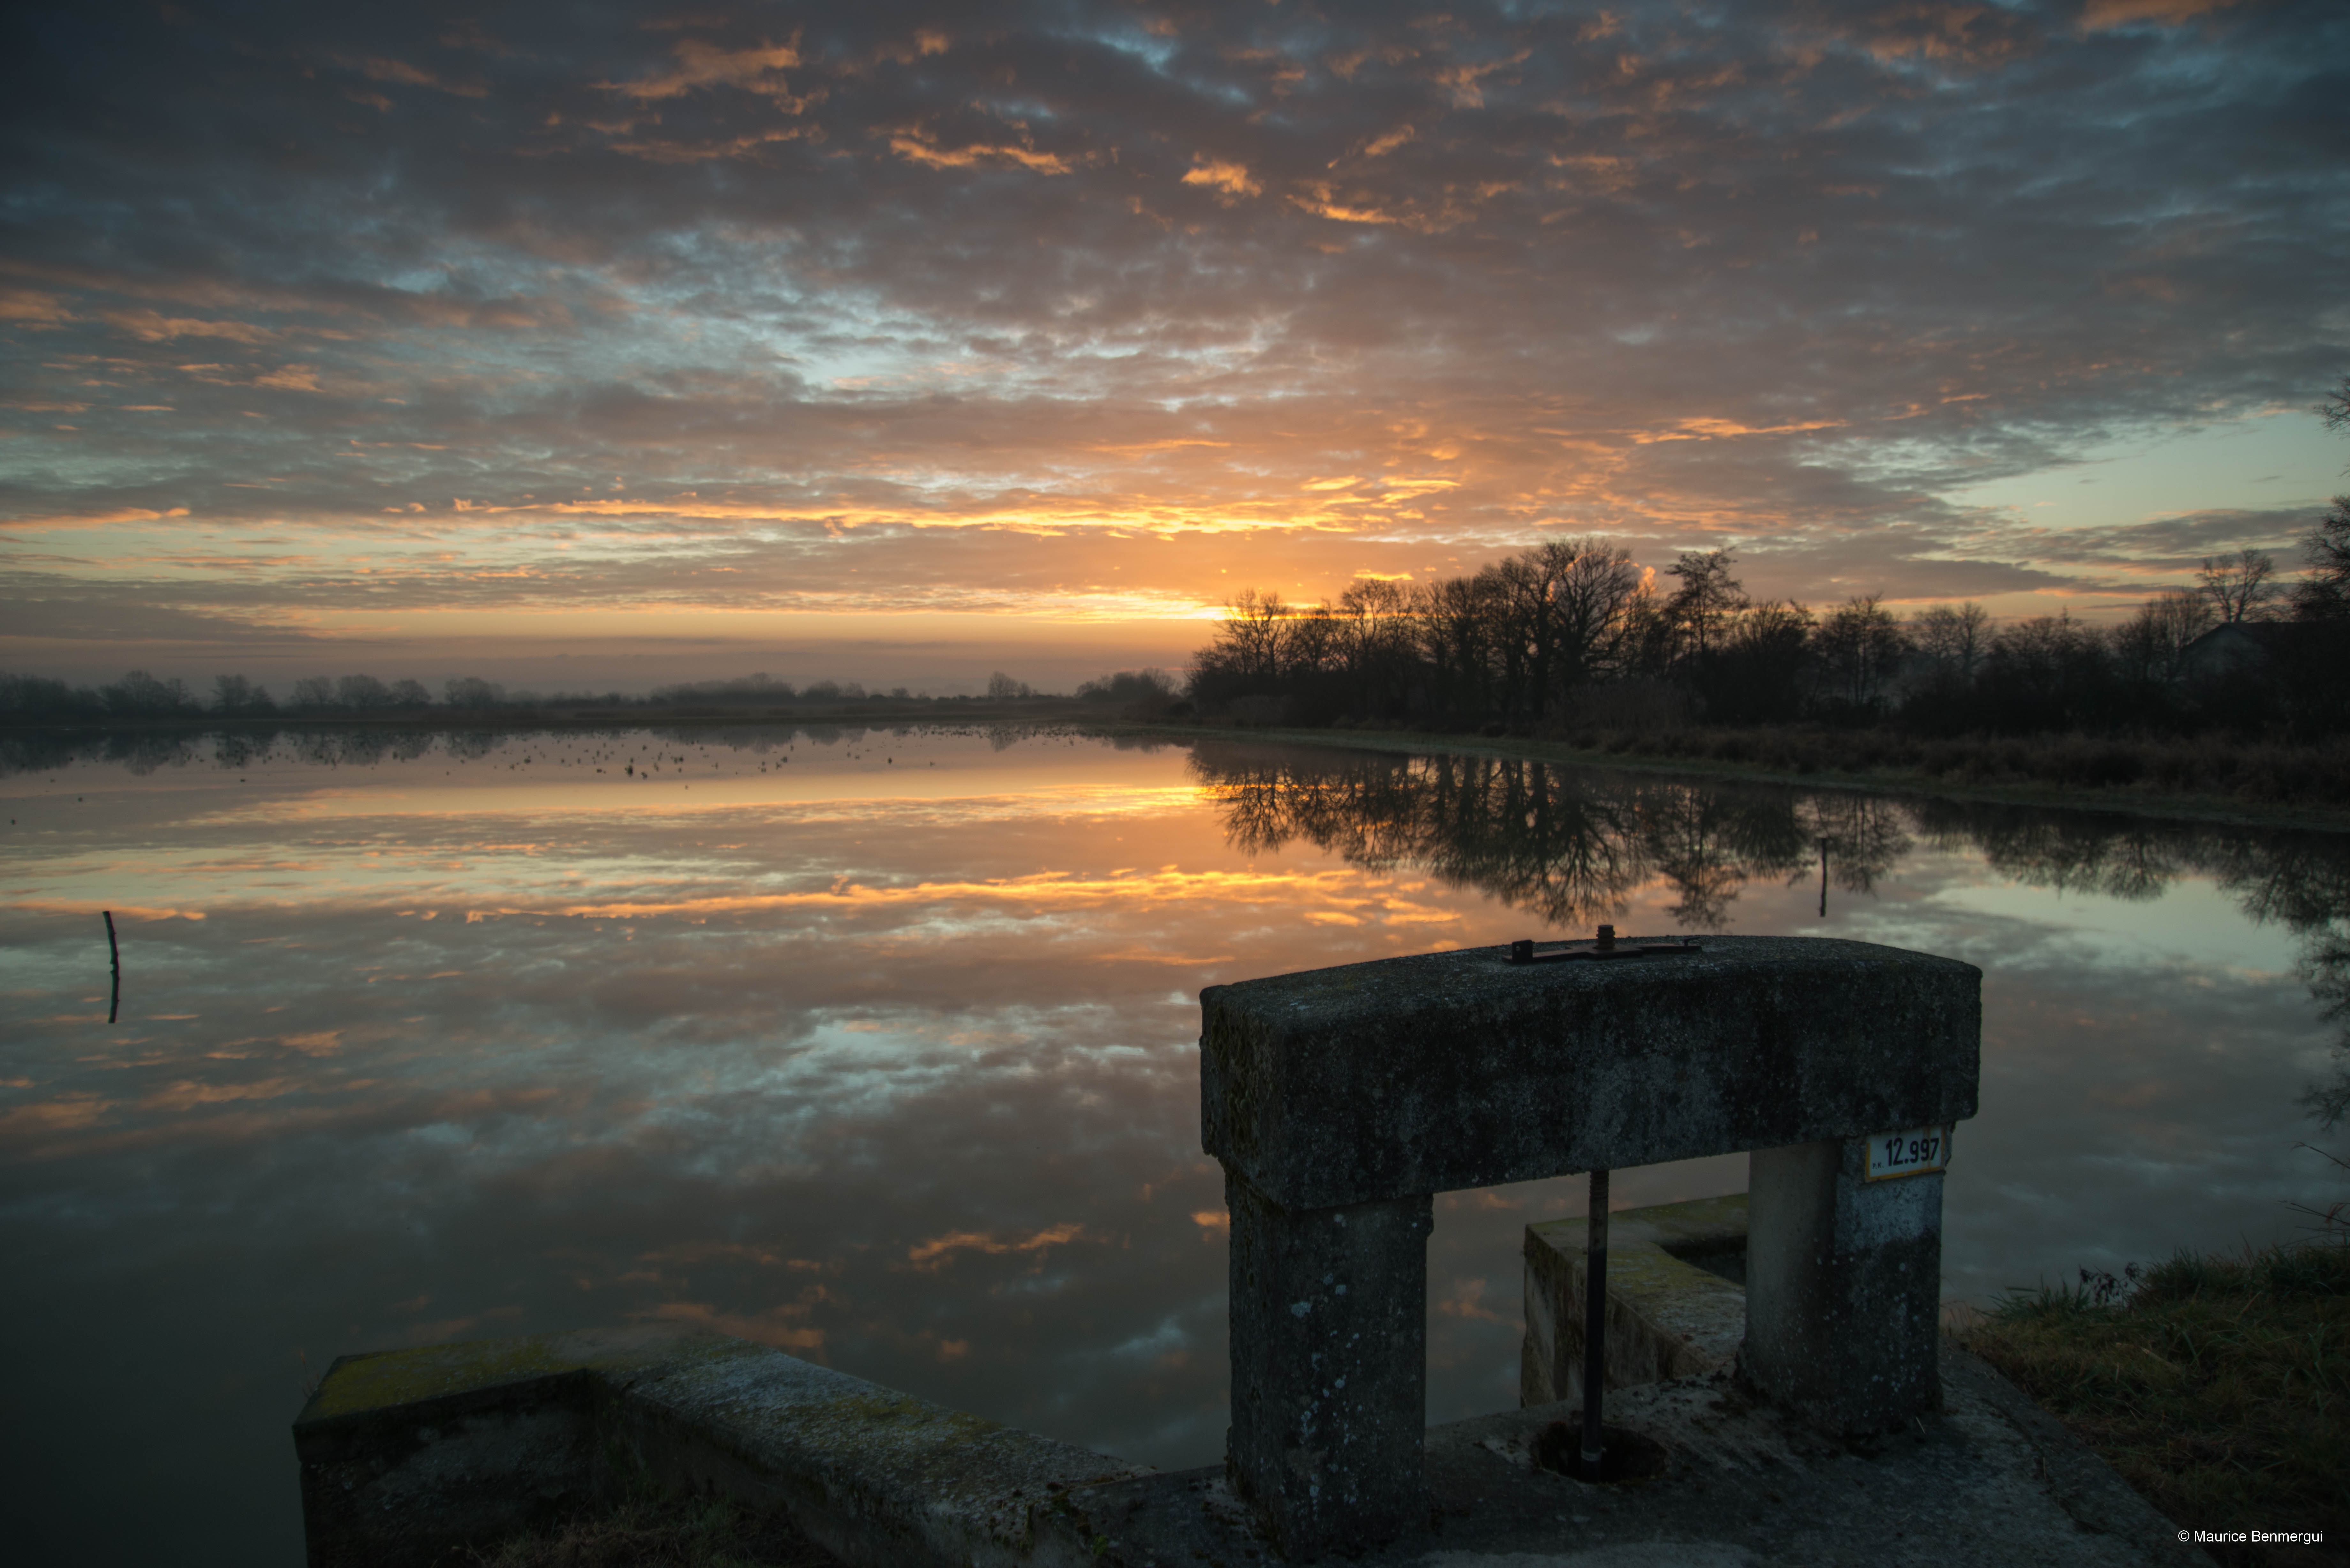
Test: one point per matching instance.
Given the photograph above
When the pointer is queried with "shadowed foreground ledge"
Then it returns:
(408, 1454)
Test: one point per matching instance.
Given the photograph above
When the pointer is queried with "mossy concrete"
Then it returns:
(407, 1455)
(1667, 1315)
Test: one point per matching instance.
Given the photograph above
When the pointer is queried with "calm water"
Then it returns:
(880, 1047)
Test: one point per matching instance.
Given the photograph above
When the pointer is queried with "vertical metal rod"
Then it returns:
(115, 953)
(1594, 1321)
(1824, 878)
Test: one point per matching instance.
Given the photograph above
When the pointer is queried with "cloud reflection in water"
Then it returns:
(886, 1053)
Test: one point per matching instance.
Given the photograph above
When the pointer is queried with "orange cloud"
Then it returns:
(31, 308)
(1232, 181)
(2100, 15)
(151, 327)
(376, 67)
(701, 64)
(917, 146)
(937, 1252)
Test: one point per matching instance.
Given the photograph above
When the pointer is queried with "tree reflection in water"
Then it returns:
(1571, 845)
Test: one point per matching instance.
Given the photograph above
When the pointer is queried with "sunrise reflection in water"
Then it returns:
(881, 1047)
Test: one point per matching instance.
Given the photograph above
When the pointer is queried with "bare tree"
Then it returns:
(1375, 641)
(1252, 635)
(362, 692)
(1709, 595)
(235, 694)
(2150, 642)
(1955, 640)
(472, 692)
(1860, 642)
(2324, 594)
(2238, 585)
(1593, 585)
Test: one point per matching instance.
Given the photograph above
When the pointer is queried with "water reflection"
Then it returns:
(1571, 845)
(1567, 845)
(880, 1044)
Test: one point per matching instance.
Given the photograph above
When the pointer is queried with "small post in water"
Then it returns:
(113, 951)
(1595, 1321)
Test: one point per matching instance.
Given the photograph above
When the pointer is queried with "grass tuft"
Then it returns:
(2219, 1388)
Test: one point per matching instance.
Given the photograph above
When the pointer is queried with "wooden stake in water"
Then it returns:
(1594, 1321)
(114, 951)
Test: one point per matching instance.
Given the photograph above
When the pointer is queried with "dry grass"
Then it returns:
(664, 1533)
(2219, 1388)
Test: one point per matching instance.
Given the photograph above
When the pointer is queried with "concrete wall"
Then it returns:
(408, 1454)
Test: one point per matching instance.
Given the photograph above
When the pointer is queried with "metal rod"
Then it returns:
(1594, 1321)
(115, 952)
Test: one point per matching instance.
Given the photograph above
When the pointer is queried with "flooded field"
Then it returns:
(880, 1047)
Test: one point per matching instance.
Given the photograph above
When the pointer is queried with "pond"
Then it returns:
(880, 1046)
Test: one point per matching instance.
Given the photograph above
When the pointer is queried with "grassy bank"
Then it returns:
(2219, 1388)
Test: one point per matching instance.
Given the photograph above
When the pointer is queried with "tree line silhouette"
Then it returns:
(1572, 635)
(140, 696)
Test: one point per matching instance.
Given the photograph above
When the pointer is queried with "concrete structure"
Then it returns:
(1340, 1100)
(1676, 1298)
(408, 1454)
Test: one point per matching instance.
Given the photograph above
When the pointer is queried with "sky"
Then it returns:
(593, 345)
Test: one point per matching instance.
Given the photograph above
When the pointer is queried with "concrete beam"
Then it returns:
(1444, 1071)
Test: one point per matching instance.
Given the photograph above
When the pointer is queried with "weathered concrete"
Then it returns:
(408, 1454)
(400, 1450)
(1668, 1315)
(1444, 1071)
(1990, 1483)
(1329, 1346)
(1859, 1254)
(1341, 1092)
(1843, 1287)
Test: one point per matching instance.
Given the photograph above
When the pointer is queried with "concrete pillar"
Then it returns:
(1329, 1351)
(1843, 1287)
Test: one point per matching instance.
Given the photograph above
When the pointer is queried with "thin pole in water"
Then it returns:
(113, 951)
(1594, 1321)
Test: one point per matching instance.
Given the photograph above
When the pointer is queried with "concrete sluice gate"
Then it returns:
(1776, 1357)
(1340, 1101)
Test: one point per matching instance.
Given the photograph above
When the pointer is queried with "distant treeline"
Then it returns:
(1573, 638)
(141, 696)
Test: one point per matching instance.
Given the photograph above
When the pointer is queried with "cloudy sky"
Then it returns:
(617, 344)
